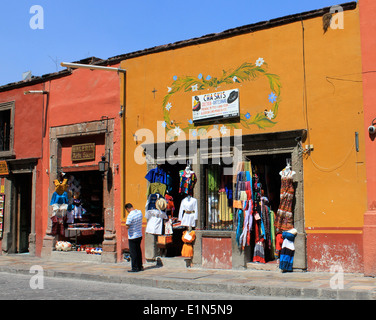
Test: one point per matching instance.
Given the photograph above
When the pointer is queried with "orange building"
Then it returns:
(267, 95)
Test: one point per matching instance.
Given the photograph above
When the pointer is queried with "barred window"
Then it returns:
(219, 211)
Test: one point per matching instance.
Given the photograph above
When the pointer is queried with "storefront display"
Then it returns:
(77, 211)
(257, 225)
(170, 206)
(219, 197)
(188, 213)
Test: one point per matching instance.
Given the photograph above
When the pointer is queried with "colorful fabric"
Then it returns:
(157, 175)
(59, 199)
(284, 217)
(225, 212)
(239, 229)
(213, 178)
(61, 187)
(259, 253)
(157, 187)
(187, 182)
(286, 259)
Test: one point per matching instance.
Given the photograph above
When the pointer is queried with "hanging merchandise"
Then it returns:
(155, 217)
(239, 229)
(60, 196)
(213, 186)
(157, 175)
(284, 218)
(170, 205)
(243, 203)
(286, 259)
(188, 180)
(188, 238)
(75, 210)
(168, 227)
(188, 212)
(225, 200)
(157, 187)
(151, 201)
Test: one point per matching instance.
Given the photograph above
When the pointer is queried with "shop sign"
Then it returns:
(83, 152)
(4, 168)
(216, 106)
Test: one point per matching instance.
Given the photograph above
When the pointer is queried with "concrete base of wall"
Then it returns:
(369, 243)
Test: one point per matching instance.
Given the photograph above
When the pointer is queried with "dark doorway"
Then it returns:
(23, 186)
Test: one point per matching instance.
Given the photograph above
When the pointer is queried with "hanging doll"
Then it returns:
(60, 196)
(59, 203)
(76, 210)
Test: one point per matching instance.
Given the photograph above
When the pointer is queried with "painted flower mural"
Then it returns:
(245, 72)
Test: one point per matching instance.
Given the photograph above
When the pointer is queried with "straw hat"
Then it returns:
(292, 231)
(161, 204)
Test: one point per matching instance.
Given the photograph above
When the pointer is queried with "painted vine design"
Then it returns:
(246, 72)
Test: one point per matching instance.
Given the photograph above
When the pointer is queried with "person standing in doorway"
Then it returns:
(134, 226)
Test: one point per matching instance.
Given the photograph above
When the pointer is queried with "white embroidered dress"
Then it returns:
(155, 221)
(188, 213)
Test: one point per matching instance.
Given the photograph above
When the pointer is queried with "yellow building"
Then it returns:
(267, 95)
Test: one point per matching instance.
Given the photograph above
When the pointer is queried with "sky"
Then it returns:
(71, 30)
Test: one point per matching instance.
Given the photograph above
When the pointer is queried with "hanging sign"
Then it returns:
(4, 168)
(215, 106)
(83, 152)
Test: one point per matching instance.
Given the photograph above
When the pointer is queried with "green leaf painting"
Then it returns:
(245, 72)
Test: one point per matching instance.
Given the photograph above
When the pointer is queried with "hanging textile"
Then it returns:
(284, 218)
(188, 212)
(286, 259)
(157, 175)
(239, 229)
(155, 219)
(188, 180)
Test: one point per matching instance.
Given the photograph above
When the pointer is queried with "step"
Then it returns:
(269, 266)
(75, 256)
(173, 262)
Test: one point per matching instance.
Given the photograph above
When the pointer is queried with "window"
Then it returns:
(219, 211)
(6, 128)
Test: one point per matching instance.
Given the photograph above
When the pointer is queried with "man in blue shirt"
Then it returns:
(134, 226)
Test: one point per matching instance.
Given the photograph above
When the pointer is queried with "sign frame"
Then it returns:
(4, 169)
(220, 105)
(83, 152)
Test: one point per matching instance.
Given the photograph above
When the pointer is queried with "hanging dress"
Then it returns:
(187, 182)
(286, 259)
(188, 213)
(284, 217)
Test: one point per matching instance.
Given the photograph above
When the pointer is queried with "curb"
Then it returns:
(254, 290)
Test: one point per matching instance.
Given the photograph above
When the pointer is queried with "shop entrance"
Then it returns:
(85, 220)
(174, 248)
(22, 213)
(266, 171)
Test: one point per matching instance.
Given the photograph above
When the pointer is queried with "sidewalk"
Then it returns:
(304, 285)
